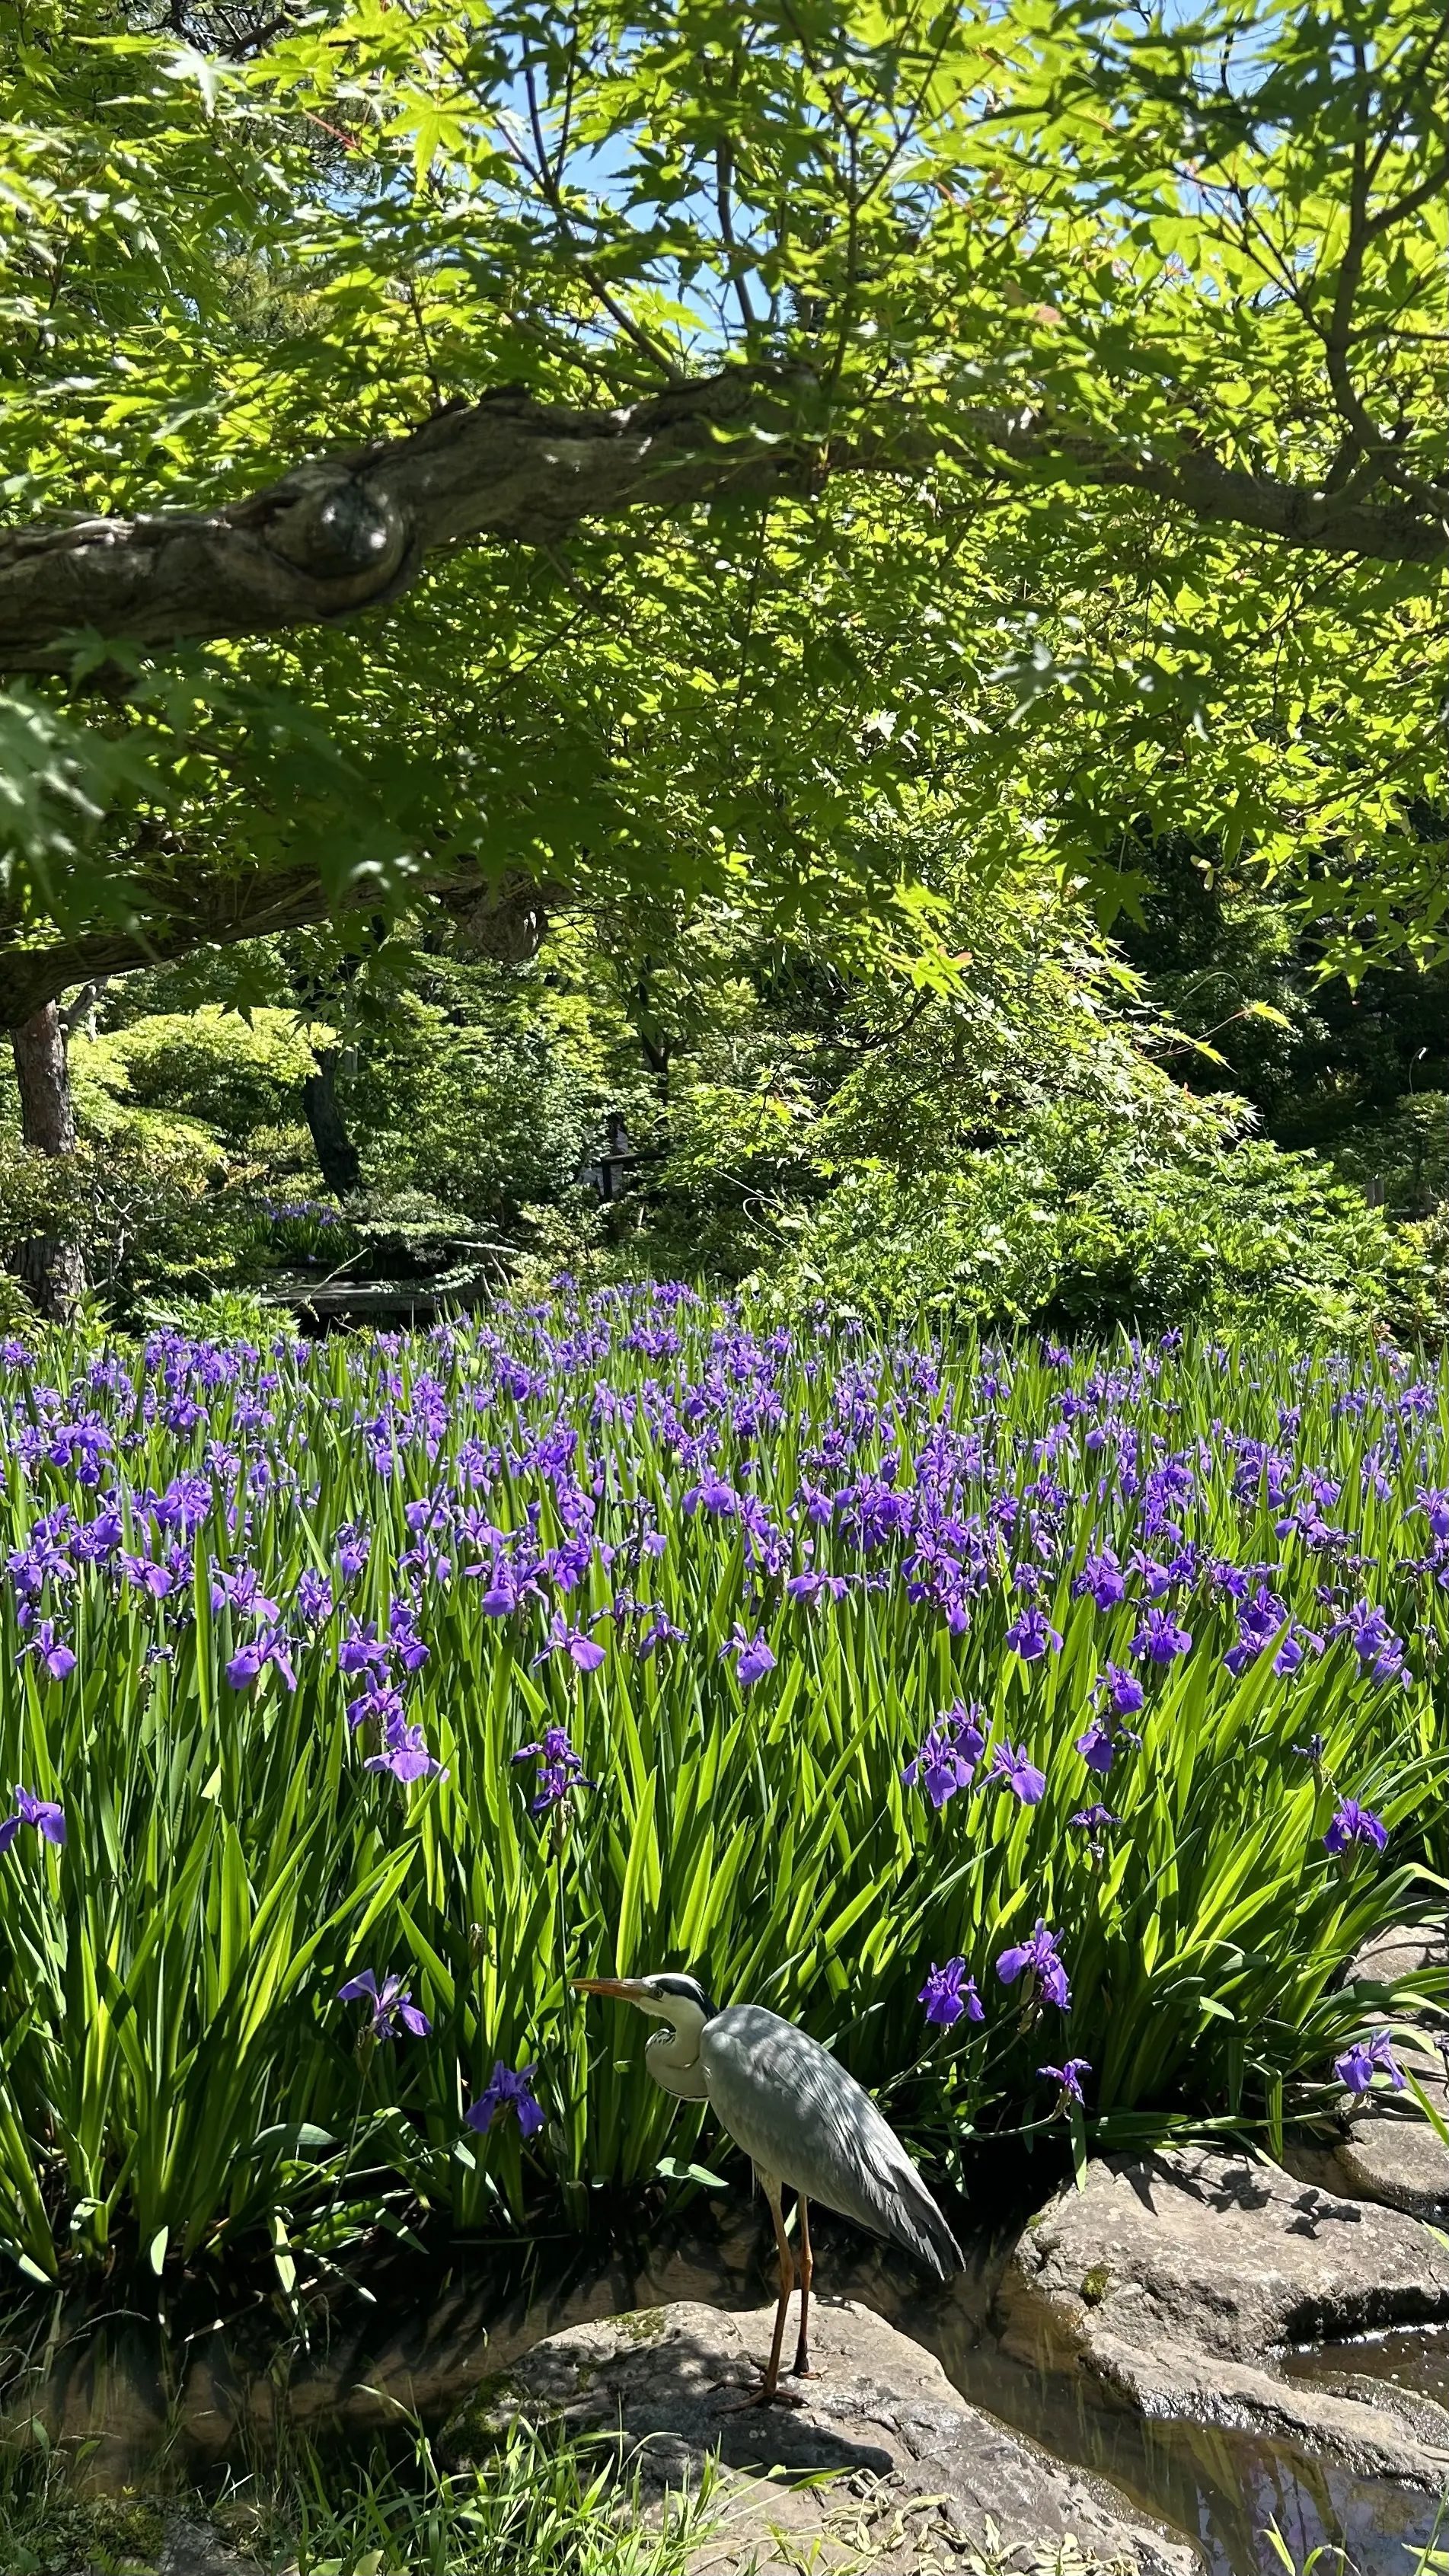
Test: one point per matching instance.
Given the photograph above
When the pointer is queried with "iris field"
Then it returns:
(989, 1712)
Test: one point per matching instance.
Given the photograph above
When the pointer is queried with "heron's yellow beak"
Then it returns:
(630, 1990)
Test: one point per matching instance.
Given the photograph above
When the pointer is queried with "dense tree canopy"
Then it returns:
(531, 453)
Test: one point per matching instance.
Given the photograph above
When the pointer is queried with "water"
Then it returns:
(1411, 2357)
(209, 2389)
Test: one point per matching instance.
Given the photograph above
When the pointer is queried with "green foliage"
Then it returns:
(149, 1206)
(1087, 1223)
(230, 1861)
(1001, 1141)
(475, 1100)
(535, 2505)
(228, 1074)
(1047, 270)
(1417, 1308)
(50, 2527)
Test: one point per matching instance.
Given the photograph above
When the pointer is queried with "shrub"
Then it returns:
(148, 1210)
(1087, 1223)
(226, 1074)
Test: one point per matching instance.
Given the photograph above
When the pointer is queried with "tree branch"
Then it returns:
(503, 918)
(335, 537)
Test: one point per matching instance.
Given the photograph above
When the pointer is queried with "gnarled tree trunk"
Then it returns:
(52, 1270)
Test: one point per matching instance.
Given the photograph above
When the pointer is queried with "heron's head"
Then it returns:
(665, 1996)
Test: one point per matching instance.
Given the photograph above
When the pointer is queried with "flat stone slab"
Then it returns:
(1178, 2280)
(1404, 1950)
(1398, 2159)
(906, 2474)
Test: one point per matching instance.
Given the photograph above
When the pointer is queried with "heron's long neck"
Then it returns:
(672, 2056)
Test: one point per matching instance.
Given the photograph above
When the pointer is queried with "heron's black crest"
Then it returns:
(690, 1988)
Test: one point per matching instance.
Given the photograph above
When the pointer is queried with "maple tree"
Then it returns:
(545, 455)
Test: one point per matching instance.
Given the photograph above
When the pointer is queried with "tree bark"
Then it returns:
(49, 1268)
(337, 1156)
(338, 536)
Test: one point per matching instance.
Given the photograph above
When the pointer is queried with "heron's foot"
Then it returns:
(802, 2369)
(764, 2395)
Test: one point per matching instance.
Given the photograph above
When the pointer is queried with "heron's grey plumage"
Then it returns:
(797, 2114)
(800, 2119)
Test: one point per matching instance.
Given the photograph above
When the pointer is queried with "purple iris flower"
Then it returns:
(1354, 1827)
(382, 1705)
(661, 1632)
(314, 1598)
(390, 2003)
(559, 1769)
(507, 2088)
(252, 1659)
(947, 1758)
(404, 1753)
(810, 1586)
(1094, 1820)
(242, 1588)
(1359, 2065)
(1038, 1957)
(146, 1576)
(1297, 1643)
(583, 1650)
(1123, 1689)
(51, 1649)
(1068, 2080)
(407, 1645)
(1011, 1764)
(1102, 1576)
(1097, 1747)
(1379, 1651)
(353, 1546)
(753, 1658)
(361, 1650)
(502, 1594)
(948, 1993)
(1031, 1633)
(47, 1818)
(1160, 1638)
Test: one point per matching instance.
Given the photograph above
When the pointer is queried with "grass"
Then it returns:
(537, 2507)
(179, 2077)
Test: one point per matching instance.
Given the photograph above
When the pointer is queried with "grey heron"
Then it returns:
(799, 2118)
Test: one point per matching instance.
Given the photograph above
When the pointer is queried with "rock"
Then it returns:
(196, 2548)
(1390, 2152)
(1396, 2158)
(128, 2535)
(1178, 2280)
(915, 2473)
(1404, 1950)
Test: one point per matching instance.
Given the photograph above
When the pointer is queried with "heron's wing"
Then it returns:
(797, 2114)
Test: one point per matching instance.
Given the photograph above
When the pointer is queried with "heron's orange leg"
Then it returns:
(770, 2391)
(787, 2284)
(807, 2274)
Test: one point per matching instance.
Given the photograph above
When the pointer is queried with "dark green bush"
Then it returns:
(1085, 1222)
